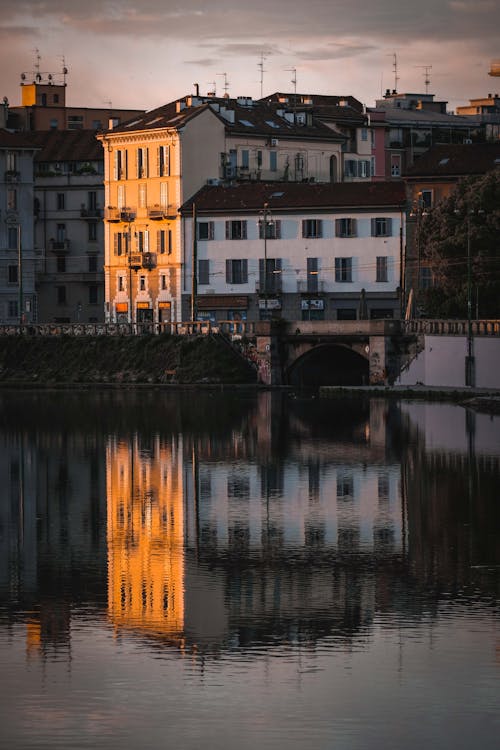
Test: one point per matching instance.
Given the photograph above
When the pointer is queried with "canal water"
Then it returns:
(218, 570)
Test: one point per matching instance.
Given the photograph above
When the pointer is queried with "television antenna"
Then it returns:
(395, 69)
(260, 65)
(226, 83)
(427, 76)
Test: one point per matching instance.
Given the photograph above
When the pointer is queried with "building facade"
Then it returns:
(18, 258)
(294, 250)
(69, 208)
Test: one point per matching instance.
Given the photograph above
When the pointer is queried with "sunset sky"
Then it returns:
(144, 53)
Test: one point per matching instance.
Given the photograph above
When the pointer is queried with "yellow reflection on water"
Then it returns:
(145, 516)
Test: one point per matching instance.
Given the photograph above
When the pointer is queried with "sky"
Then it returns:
(144, 53)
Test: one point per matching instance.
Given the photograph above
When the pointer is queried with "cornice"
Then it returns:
(165, 136)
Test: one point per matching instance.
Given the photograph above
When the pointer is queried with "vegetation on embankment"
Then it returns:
(144, 359)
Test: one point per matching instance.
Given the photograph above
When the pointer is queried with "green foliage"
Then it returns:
(468, 218)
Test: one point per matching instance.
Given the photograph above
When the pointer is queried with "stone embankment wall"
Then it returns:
(144, 359)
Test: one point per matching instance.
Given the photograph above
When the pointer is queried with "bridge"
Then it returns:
(315, 353)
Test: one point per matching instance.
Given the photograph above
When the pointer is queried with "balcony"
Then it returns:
(118, 214)
(12, 176)
(311, 286)
(149, 261)
(157, 212)
(90, 213)
(59, 246)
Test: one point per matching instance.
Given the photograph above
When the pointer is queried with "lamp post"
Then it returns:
(470, 363)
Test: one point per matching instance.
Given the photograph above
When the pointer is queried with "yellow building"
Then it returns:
(156, 162)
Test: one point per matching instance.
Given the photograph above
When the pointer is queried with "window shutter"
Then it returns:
(277, 229)
(210, 230)
(374, 227)
(167, 161)
(203, 271)
(116, 168)
(261, 274)
(244, 271)
(388, 224)
(146, 241)
(320, 228)
(228, 230)
(278, 277)
(338, 228)
(116, 241)
(244, 230)
(229, 271)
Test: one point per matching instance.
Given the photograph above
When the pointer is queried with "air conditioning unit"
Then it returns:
(274, 141)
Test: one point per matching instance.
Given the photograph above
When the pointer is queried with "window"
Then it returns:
(11, 199)
(121, 243)
(143, 241)
(245, 159)
(11, 161)
(343, 269)
(120, 197)
(205, 230)
(270, 277)
(426, 197)
(364, 134)
(92, 230)
(163, 161)
(60, 233)
(312, 228)
(142, 195)
(273, 229)
(426, 278)
(382, 273)
(93, 294)
(13, 308)
(237, 271)
(364, 168)
(61, 201)
(312, 274)
(236, 230)
(12, 238)
(259, 159)
(142, 162)
(273, 161)
(142, 283)
(350, 168)
(395, 165)
(61, 295)
(161, 241)
(121, 164)
(54, 123)
(121, 284)
(61, 263)
(163, 281)
(92, 200)
(75, 122)
(345, 227)
(92, 263)
(12, 275)
(203, 271)
(381, 227)
(164, 194)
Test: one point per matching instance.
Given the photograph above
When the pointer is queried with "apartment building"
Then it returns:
(296, 250)
(18, 258)
(154, 163)
(69, 202)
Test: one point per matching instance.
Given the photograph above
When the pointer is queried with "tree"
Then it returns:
(467, 221)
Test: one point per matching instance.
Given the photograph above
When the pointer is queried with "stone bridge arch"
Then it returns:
(328, 364)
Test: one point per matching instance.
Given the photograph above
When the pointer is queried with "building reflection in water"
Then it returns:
(216, 543)
(145, 533)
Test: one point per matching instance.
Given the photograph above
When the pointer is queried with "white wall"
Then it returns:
(442, 362)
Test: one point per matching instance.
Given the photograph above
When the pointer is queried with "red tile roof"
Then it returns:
(285, 196)
(456, 160)
(66, 145)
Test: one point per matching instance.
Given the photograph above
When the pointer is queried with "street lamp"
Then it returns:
(470, 365)
(134, 263)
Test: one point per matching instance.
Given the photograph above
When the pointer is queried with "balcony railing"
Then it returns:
(12, 175)
(310, 286)
(60, 246)
(119, 214)
(157, 212)
(90, 213)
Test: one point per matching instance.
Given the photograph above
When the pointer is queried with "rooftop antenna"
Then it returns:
(64, 70)
(226, 83)
(427, 76)
(395, 69)
(294, 82)
(260, 65)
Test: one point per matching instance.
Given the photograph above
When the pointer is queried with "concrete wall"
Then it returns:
(442, 362)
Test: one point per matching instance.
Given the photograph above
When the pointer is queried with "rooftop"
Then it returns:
(66, 145)
(283, 196)
(457, 160)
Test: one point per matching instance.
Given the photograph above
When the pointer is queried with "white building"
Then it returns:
(294, 250)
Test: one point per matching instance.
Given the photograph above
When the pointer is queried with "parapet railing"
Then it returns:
(230, 328)
(451, 327)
